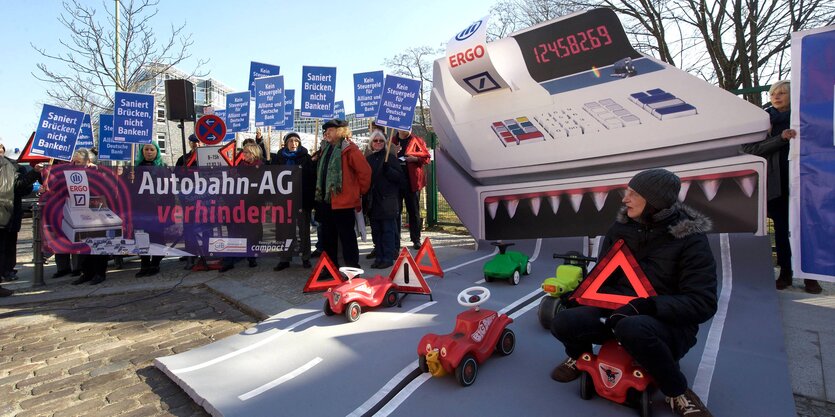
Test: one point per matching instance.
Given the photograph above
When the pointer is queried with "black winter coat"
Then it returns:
(775, 150)
(308, 174)
(386, 181)
(22, 187)
(675, 256)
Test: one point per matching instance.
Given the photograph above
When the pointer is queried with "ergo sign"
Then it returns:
(469, 55)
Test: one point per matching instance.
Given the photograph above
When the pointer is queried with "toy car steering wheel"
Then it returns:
(473, 296)
(350, 272)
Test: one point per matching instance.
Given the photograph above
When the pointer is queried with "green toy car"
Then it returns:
(509, 265)
(559, 287)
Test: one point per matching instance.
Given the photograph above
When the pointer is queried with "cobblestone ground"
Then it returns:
(95, 357)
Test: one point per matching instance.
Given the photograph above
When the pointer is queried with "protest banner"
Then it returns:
(259, 70)
(318, 92)
(109, 150)
(269, 101)
(368, 90)
(237, 112)
(85, 135)
(222, 114)
(133, 117)
(397, 109)
(57, 132)
(289, 102)
(339, 110)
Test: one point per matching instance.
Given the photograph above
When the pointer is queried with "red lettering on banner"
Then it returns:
(469, 55)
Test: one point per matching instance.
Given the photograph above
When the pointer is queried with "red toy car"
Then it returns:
(476, 335)
(614, 375)
(349, 297)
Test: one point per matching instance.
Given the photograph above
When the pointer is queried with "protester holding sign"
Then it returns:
(15, 183)
(186, 159)
(293, 153)
(413, 155)
(342, 176)
(149, 160)
(251, 158)
(384, 201)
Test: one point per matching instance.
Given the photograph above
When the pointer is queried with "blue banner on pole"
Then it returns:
(368, 90)
(289, 102)
(133, 118)
(57, 132)
(400, 96)
(85, 135)
(318, 92)
(109, 150)
(237, 112)
(222, 114)
(269, 101)
(339, 110)
(259, 70)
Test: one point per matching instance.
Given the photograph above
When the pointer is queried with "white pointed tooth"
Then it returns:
(492, 207)
(682, 194)
(511, 206)
(576, 199)
(554, 200)
(710, 187)
(535, 203)
(600, 199)
(747, 183)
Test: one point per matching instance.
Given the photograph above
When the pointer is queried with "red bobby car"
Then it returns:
(350, 296)
(614, 375)
(477, 334)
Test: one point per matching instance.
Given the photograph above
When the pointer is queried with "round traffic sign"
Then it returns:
(210, 129)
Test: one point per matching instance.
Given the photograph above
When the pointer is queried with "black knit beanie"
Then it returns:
(291, 135)
(658, 186)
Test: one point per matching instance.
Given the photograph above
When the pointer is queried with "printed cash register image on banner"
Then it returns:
(230, 212)
(539, 132)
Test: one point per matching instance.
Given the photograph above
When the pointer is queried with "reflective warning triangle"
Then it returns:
(428, 251)
(26, 153)
(619, 256)
(315, 284)
(407, 276)
(227, 152)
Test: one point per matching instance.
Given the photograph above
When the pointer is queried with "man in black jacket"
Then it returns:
(669, 243)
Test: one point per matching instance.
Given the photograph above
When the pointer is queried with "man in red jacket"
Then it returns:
(413, 155)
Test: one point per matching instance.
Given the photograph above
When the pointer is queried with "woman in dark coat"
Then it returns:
(383, 201)
(669, 243)
(149, 158)
(293, 153)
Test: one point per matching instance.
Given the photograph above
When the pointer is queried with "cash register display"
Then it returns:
(587, 41)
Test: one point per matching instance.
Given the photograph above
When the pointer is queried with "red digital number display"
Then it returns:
(573, 44)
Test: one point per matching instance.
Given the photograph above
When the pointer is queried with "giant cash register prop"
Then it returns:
(539, 132)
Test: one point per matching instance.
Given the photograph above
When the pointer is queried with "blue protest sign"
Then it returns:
(109, 150)
(289, 102)
(397, 109)
(222, 114)
(133, 117)
(269, 101)
(85, 135)
(339, 110)
(57, 132)
(368, 90)
(318, 86)
(237, 112)
(258, 70)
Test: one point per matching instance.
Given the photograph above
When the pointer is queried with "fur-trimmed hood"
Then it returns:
(684, 220)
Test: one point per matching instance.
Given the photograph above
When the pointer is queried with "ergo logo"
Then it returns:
(470, 54)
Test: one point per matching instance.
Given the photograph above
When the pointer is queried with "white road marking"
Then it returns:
(536, 250)
(474, 260)
(412, 311)
(403, 395)
(272, 384)
(251, 347)
(524, 310)
(704, 374)
(519, 301)
(362, 409)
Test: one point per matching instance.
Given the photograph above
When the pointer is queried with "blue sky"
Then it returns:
(354, 36)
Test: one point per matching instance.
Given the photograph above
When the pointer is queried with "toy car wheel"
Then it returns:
(506, 343)
(422, 364)
(467, 371)
(488, 278)
(586, 386)
(548, 308)
(353, 312)
(390, 298)
(528, 268)
(327, 309)
(515, 278)
(646, 404)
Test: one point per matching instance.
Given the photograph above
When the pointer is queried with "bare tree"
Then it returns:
(88, 72)
(416, 63)
(512, 15)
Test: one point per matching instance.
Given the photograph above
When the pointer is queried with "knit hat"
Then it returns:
(334, 123)
(193, 138)
(291, 135)
(658, 186)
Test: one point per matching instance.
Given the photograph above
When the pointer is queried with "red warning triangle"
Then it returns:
(314, 284)
(434, 268)
(26, 153)
(619, 256)
(227, 152)
(407, 276)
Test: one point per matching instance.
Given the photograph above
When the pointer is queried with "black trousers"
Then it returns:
(778, 212)
(338, 229)
(655, 345)
(411, 202)
(8, 251)
(94, 265)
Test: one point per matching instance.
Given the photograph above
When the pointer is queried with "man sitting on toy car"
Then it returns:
(669, 242)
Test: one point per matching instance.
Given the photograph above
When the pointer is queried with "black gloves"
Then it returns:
(638, 306)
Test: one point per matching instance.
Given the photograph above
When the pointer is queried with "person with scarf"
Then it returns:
(294, 154)
(384, 200)
(149, 159)
(251, 159)
(342, 177)
(775, 150)
(670, 245)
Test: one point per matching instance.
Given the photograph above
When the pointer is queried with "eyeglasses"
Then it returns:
(379, 140)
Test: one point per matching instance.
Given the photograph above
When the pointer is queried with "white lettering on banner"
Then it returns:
(469, 55)
(61, 118)
(320, 77)
(225, 185)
